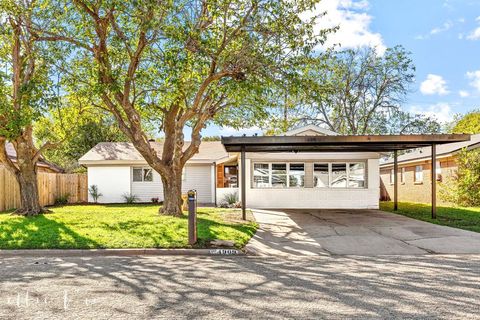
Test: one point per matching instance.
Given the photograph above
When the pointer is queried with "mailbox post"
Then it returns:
(192, 216)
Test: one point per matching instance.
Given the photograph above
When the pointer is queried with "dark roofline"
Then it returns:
(340, 143)
(389, 161)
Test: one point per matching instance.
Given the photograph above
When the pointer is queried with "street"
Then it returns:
(177, 287)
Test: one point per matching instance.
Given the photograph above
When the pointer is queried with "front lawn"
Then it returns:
(462, 218)
(119, 226)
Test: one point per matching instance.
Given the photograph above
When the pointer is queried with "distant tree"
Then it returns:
(211, 138)
(468, 123)
(80, 129)
(355, 92)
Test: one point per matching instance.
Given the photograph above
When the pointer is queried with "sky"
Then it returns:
(442, 35)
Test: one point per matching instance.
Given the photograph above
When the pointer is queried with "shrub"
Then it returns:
(463, 188)
(130, 198)
(93, 190)
(60, 200)
(230, 200)
(155, 200)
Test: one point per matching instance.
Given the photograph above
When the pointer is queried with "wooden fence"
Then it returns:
(50, 187)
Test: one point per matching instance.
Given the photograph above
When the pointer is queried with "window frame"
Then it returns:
(270, 174)
(347, 163)
(329, 174)
(142, 175)
(415, 180)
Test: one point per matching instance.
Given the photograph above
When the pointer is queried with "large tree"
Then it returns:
(25, 92)
(180, 63)
(467, 123)
(356, 92)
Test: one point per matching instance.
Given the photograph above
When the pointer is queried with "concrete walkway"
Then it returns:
(354, 232)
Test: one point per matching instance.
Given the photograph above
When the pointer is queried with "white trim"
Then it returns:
(311, 127)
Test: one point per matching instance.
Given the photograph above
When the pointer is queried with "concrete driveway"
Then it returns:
(354, 232)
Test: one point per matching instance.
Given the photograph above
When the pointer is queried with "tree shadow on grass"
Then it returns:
(40, 232)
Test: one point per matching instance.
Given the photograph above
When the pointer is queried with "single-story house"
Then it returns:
(343, 173)
(42, 164)
(414, 170)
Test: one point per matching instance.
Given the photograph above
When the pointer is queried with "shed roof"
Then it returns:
(111, 152)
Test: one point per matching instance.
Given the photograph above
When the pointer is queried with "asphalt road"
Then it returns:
(429, 286)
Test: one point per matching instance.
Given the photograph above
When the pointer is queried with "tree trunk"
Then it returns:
(172, 193)
(26, 175)
(30, 204)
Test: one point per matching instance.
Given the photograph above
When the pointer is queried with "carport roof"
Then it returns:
(339, 143)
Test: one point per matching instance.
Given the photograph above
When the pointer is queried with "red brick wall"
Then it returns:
(411, 191)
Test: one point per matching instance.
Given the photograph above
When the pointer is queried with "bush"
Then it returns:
(155, 200)
(61, 200)
(130, 198)
(93, 190)
(463, 189)
(230, 200)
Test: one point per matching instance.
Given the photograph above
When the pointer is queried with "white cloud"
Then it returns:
(474, 76)
(434, 84)
(474, 35)
(445, 27)
(354, 24)
(440, 111)
(463, 93)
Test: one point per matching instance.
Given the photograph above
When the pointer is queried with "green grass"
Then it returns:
(457, 217)
(119, 226)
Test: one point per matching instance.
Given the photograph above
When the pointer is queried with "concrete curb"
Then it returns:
(120, 252)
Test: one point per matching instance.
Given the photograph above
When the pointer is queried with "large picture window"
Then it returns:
(321, 175)
(278, 175)
(339, 175)
(261, 175)
(356, 175)
(296, 175)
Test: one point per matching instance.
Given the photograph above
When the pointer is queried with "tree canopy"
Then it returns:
(179, 63)
(354, 92)
(468, 123)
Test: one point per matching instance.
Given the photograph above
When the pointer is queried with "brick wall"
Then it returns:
(411, 191)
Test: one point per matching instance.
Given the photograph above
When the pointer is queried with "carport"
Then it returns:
(341, 143)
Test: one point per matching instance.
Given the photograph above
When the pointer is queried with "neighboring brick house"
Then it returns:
(414, 171)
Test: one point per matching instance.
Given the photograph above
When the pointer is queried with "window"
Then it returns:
(296, 175)
(142, 175)
(279, 175)
(438, 171)
(392, 176)
(418, 174)
(321, 175)
(261, 175)
(339, 175)
(356, 175)
(402, 175)
(230, 174)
